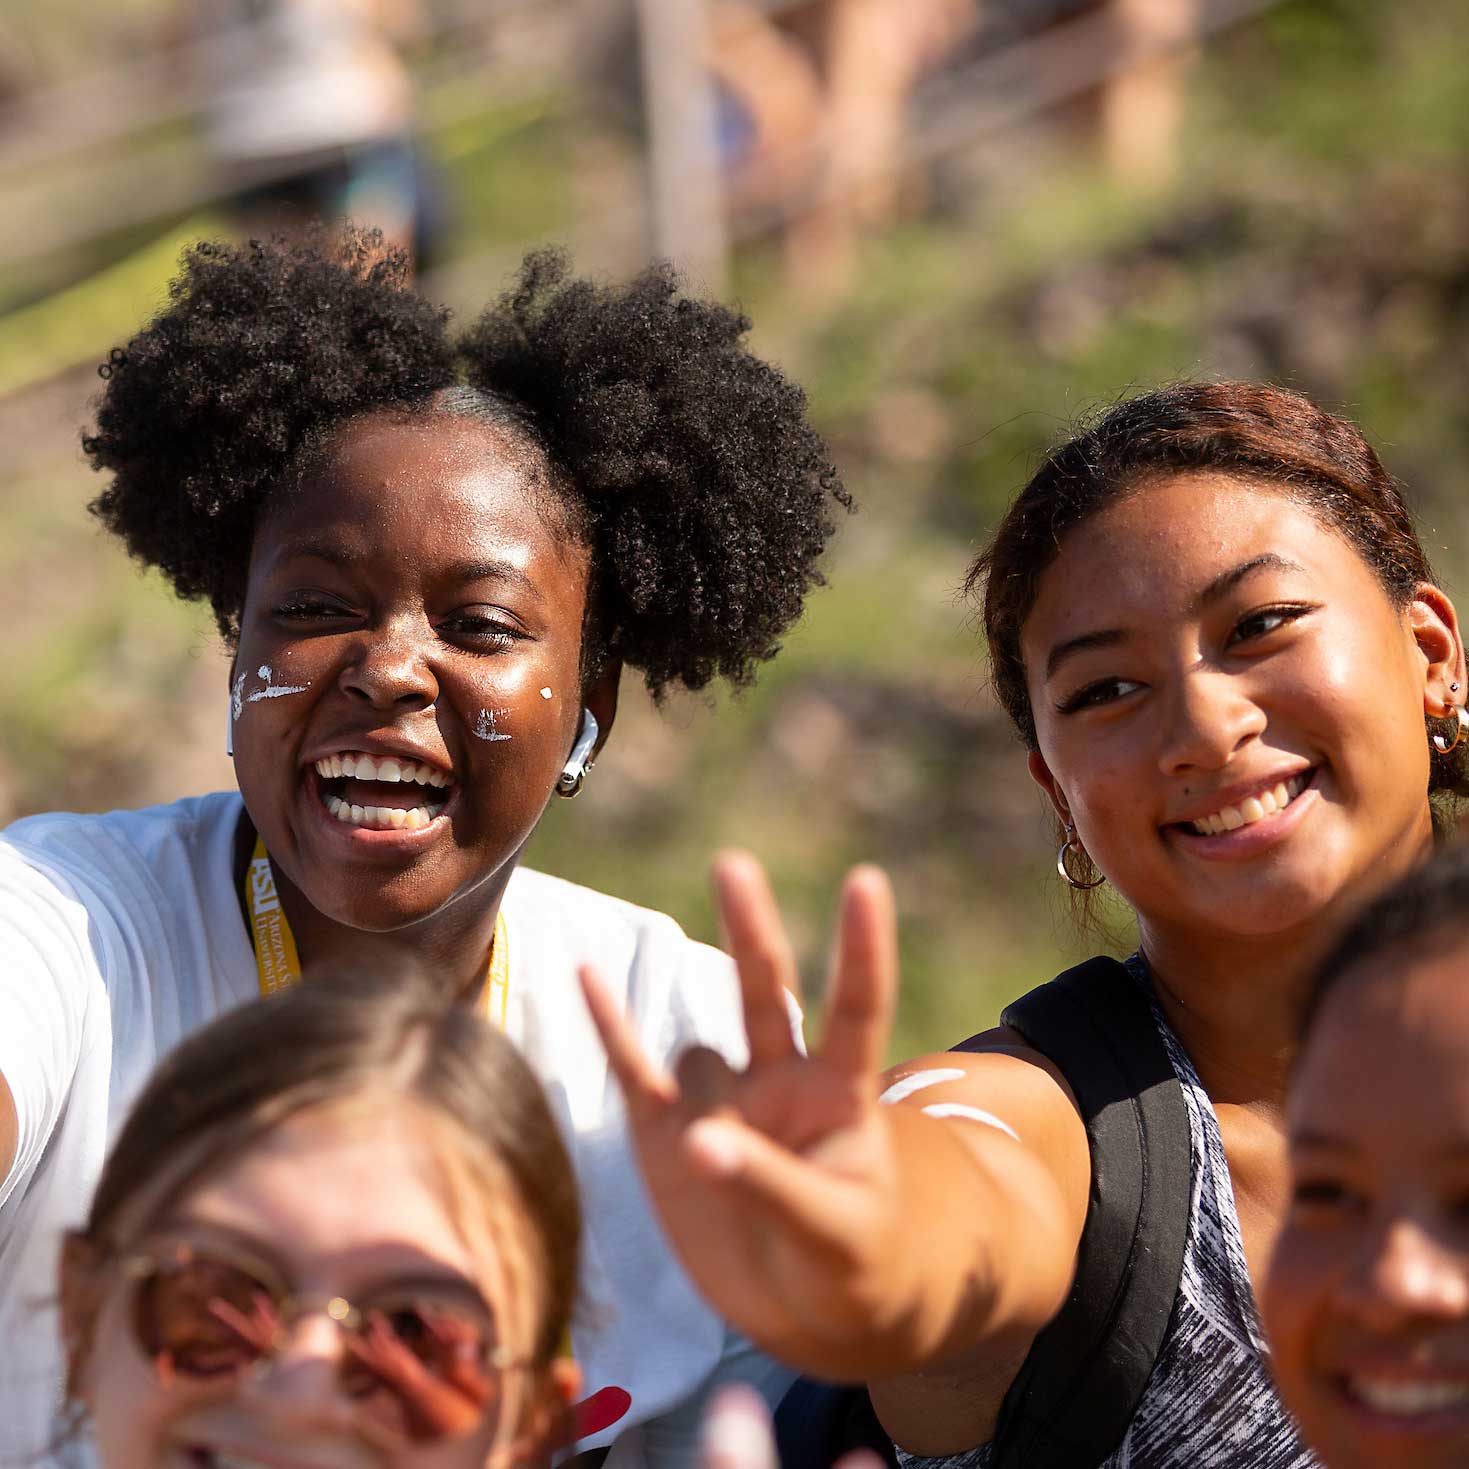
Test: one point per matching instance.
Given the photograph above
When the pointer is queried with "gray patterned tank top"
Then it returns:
(1209, 1403)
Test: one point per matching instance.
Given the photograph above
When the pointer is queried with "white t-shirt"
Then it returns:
(121, 934)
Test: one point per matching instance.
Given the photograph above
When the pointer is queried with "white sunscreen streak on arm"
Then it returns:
(972, 1114)
(917, 1081)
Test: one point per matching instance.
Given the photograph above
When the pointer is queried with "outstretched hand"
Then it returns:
(779, 1184)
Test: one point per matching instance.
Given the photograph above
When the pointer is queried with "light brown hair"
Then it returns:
(329, 1042)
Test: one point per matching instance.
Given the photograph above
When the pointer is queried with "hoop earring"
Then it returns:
(1061, 867)
(574, 772)
(1445, 747)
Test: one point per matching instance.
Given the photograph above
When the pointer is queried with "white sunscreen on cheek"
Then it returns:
(545, 693)
(486, 729)
(273, 691)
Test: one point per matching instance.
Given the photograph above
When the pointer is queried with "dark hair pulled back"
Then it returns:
(684, 462)
(1262, 434)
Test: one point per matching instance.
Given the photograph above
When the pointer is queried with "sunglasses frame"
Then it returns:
(146, 1262)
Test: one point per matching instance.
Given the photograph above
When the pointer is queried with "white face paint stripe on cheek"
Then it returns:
(971, 1114)
(271, 691)
(905, 1086)
(486, 729)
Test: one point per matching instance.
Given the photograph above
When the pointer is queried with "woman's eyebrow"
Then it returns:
(1087, 640)
(1226, 581)
(464, 572)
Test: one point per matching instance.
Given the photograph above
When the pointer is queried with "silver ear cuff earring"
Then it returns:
(574, 772)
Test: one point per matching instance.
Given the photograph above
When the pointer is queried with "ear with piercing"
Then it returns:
(1461, 717)
(574, 772)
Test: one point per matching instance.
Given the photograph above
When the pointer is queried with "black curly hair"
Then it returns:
(686, 463)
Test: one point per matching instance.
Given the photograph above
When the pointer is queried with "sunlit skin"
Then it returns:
(1200, 640)
(337, 1203)
(1234, 639)
(1368, 1292)
(417, 580)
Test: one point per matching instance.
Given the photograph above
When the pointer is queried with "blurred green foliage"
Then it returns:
(1315, 234)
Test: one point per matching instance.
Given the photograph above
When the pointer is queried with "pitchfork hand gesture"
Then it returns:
(781, 1186)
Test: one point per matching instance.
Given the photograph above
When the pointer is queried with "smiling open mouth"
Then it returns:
(1254, 808)
(382, 793)
(1404, 1398)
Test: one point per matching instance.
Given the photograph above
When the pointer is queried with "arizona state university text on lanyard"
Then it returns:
(279, 966)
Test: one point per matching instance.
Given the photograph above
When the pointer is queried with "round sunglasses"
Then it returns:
(419, 1364)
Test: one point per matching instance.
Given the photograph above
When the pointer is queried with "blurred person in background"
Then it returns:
(338, 1226)
(1243, 692)
(1367, 1300)
(307, 109)
(815, 103)
(431, 556)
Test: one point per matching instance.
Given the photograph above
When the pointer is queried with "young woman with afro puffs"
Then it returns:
(431, 558)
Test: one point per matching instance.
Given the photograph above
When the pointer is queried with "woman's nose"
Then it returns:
(1405, 1273)
(1208, 718)
(391, 670)
(299, 1388)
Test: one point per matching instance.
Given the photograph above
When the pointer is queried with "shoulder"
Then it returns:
(114, 886)
(677, 990)
(116, 843)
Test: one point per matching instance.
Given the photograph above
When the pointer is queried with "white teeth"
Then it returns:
(382, 818)
(389, 768)
(1407, 1399)
(1252, 808)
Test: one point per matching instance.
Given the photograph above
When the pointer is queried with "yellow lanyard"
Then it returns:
(279, 966)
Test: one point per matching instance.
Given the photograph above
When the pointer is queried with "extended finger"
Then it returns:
(864, 978)
(643, 1083)
(761, 951)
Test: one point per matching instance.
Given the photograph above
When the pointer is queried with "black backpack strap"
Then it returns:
(1076, 1392)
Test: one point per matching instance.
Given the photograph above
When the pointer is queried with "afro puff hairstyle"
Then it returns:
(686, 463)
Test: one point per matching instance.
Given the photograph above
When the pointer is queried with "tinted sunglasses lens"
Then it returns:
(423, 1370)
(201, 1317)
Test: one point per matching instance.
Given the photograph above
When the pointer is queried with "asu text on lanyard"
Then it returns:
(279, 966)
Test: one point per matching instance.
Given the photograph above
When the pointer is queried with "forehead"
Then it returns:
(340, 1195)
(430, 485)
(1156, 547)
(1388, 1055)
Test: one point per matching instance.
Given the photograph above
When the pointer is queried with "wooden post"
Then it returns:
(685, 199)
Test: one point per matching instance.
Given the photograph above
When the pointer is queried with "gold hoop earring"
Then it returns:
(1061, 867)
(1446, 747)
